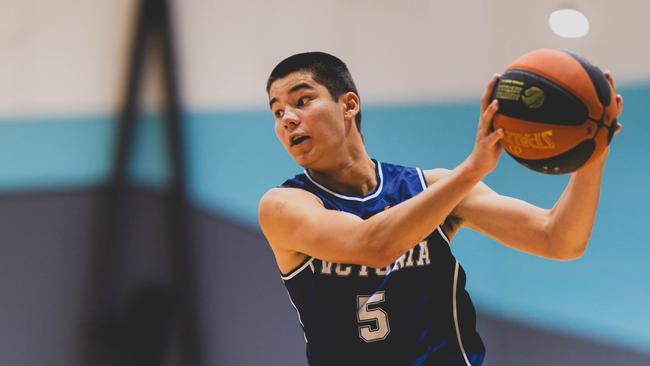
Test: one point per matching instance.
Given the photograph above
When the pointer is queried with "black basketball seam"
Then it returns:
(556, 83)
(597, 78)
(569, 94)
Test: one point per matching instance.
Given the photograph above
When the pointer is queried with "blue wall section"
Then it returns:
(233, 158)
(64, 153)
(54, 153)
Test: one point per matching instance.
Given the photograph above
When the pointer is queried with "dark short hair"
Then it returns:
(325, 69)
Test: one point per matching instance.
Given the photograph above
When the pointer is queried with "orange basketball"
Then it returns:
(558, 111)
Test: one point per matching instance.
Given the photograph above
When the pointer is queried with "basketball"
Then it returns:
(557, 110)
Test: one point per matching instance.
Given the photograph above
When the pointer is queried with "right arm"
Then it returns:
(296, 221)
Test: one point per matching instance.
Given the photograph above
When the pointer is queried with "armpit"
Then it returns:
(450, 226)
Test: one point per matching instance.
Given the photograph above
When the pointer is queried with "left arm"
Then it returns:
(561, 232)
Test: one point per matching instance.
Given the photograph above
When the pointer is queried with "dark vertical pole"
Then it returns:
(104, 339)
(180, 251)
(135, 333)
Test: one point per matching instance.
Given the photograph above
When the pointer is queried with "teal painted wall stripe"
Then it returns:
(63, 153)
(233, 158)
(54, 153)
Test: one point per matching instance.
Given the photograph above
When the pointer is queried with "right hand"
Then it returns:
(487, 147)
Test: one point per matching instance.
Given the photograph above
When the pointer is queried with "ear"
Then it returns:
(351, 105)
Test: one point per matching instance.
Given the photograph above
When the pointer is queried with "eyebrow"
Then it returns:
(293, 89)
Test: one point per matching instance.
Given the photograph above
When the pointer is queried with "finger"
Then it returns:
(618, 128)
(485, 122)
(618, 105)
(609, 77)
(487, 94)
(495, 136)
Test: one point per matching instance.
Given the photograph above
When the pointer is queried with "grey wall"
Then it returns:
(46, 243)
(245, 315)
(60, 80)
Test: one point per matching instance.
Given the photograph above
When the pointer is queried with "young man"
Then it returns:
(363, 246)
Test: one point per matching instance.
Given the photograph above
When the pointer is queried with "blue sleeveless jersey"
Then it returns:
(413, 312)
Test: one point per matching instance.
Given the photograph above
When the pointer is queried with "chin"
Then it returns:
(304, 160)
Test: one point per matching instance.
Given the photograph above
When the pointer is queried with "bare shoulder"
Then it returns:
(280, 212)
(280, 201)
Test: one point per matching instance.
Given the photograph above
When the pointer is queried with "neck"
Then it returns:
(352, 176)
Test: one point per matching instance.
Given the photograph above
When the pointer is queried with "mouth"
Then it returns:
(298, 140)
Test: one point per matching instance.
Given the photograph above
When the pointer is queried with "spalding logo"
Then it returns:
(533, 97)
(538, 140)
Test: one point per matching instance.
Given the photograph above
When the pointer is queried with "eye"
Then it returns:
(278, 113)
(302, 101)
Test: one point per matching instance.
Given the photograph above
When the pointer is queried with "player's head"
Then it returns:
(325, 69)
(316, 109)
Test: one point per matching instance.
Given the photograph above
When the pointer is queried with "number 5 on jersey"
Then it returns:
(379, 328)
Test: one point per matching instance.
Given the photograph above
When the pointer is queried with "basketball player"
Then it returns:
(364, 246)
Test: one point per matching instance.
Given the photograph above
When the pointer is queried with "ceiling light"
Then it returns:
(568, 23)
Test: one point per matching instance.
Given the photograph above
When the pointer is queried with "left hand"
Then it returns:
(619, 125)
(619, 98)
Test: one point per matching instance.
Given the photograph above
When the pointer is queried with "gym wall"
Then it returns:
(420, 69)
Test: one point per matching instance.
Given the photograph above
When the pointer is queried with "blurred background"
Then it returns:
(135, 144)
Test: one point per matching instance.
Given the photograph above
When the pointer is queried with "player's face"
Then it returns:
(308, 122)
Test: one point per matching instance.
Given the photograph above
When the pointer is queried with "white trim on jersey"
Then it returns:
(442, 233)
(422, 180)
(299, 317)
(295, 272)
(460, 341)
(360, 199)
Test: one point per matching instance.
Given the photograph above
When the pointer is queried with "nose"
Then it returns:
(290, 119)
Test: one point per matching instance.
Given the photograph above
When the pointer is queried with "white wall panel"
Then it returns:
(398, 52)
(62, 56)
(69, 56)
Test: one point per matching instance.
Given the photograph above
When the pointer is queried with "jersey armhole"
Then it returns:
(299, 268)
(424, 183)
(423, 179)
